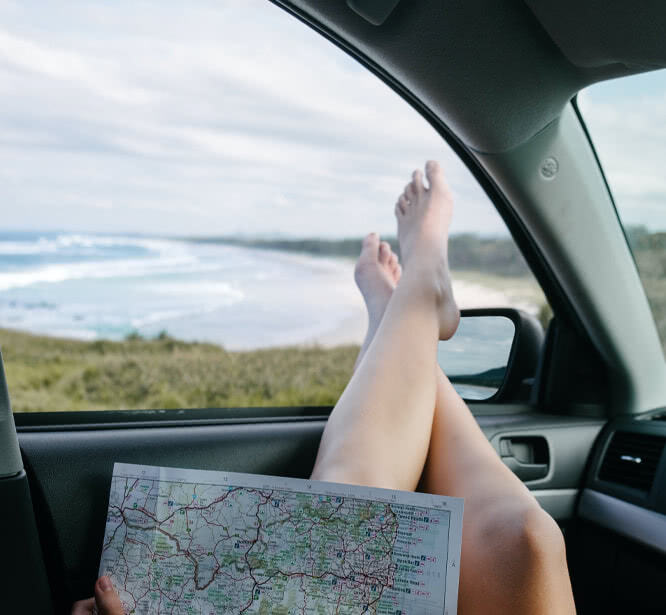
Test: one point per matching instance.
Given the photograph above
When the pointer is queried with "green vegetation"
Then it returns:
(650, 254)
(46, 374)
(467, 252)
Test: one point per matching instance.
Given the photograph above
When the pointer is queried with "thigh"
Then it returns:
(513, 558)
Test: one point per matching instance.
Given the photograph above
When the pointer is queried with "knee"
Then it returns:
(523, 536)
(514, 558)
(539, 536)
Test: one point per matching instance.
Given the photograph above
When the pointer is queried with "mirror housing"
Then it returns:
(522, 358)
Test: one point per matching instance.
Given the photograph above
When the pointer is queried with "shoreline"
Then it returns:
(474, 290)
(245, 296)
(470, 293)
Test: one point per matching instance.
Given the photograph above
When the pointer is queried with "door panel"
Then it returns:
(70, 471)
(70, 474)
(567, 444)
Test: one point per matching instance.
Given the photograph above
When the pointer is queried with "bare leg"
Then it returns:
(513, 555)
(377, 273)
(388, 404)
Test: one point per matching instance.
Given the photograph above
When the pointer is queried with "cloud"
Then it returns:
(627, 123)
(219, 117)
(22, 55)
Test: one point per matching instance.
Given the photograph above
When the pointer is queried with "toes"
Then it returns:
(397, 271)
(410, 192)
(402, 205)
(384, 252)
(417, 182)
(435, 176)
(392, 261)
(370, 245)
(370, 240)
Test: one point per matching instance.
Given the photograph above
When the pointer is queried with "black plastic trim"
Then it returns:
(524, 354)
(119, 419)
(655, 499)
(23, 582)
(645, 526)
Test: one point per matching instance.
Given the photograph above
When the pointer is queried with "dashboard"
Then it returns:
(625, 489)
(618, 559)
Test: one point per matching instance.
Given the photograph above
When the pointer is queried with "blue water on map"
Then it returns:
(91, 286)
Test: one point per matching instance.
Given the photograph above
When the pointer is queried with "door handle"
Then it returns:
(526, 456)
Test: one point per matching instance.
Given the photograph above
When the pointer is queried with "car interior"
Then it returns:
(581, 417)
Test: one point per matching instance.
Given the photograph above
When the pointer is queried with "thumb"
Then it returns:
(107, 600)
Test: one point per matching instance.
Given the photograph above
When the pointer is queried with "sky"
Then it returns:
(222, 117)
(627, 122)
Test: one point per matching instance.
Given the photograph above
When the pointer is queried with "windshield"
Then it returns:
(627, 123)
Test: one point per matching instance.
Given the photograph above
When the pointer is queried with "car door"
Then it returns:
(547, 426)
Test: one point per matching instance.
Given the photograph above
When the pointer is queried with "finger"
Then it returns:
(83, 607)
(107, 600)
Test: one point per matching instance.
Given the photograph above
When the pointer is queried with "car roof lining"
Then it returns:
(497, 73)
(598, 33)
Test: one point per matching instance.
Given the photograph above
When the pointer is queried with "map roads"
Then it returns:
(190, 541)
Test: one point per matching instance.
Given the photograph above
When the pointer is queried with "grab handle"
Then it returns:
(526, 456)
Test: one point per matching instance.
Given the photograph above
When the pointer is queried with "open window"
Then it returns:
(187, 191)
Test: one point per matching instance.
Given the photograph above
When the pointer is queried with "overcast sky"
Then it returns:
(627, 121)
(229, 116)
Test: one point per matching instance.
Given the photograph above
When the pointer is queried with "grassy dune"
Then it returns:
(46, 374)
(650, 254)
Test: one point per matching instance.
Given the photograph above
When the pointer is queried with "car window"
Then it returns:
(185, 193)
(627, 119)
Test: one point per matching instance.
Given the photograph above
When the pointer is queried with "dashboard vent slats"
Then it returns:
(631, 459)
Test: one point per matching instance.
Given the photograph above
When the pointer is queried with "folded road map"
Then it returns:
(194, 541)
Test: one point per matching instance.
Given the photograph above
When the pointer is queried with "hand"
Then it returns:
(106, 599)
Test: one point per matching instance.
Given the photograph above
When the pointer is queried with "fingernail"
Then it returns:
(105, 584)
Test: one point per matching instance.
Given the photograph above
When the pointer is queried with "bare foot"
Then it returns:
(424, 217)
(377, 272)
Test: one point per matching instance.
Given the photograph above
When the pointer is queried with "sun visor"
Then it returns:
(374, 11)
(598, 33)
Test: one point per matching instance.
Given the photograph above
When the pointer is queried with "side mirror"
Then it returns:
(493, 355)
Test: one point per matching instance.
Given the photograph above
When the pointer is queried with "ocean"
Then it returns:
(93, 286)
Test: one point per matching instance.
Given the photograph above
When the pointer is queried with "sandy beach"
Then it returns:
(471, 289)
(98, 287)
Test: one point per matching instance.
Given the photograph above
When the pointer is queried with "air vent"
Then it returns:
(631, 459)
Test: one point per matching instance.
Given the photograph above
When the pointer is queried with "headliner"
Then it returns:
(496, 73)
